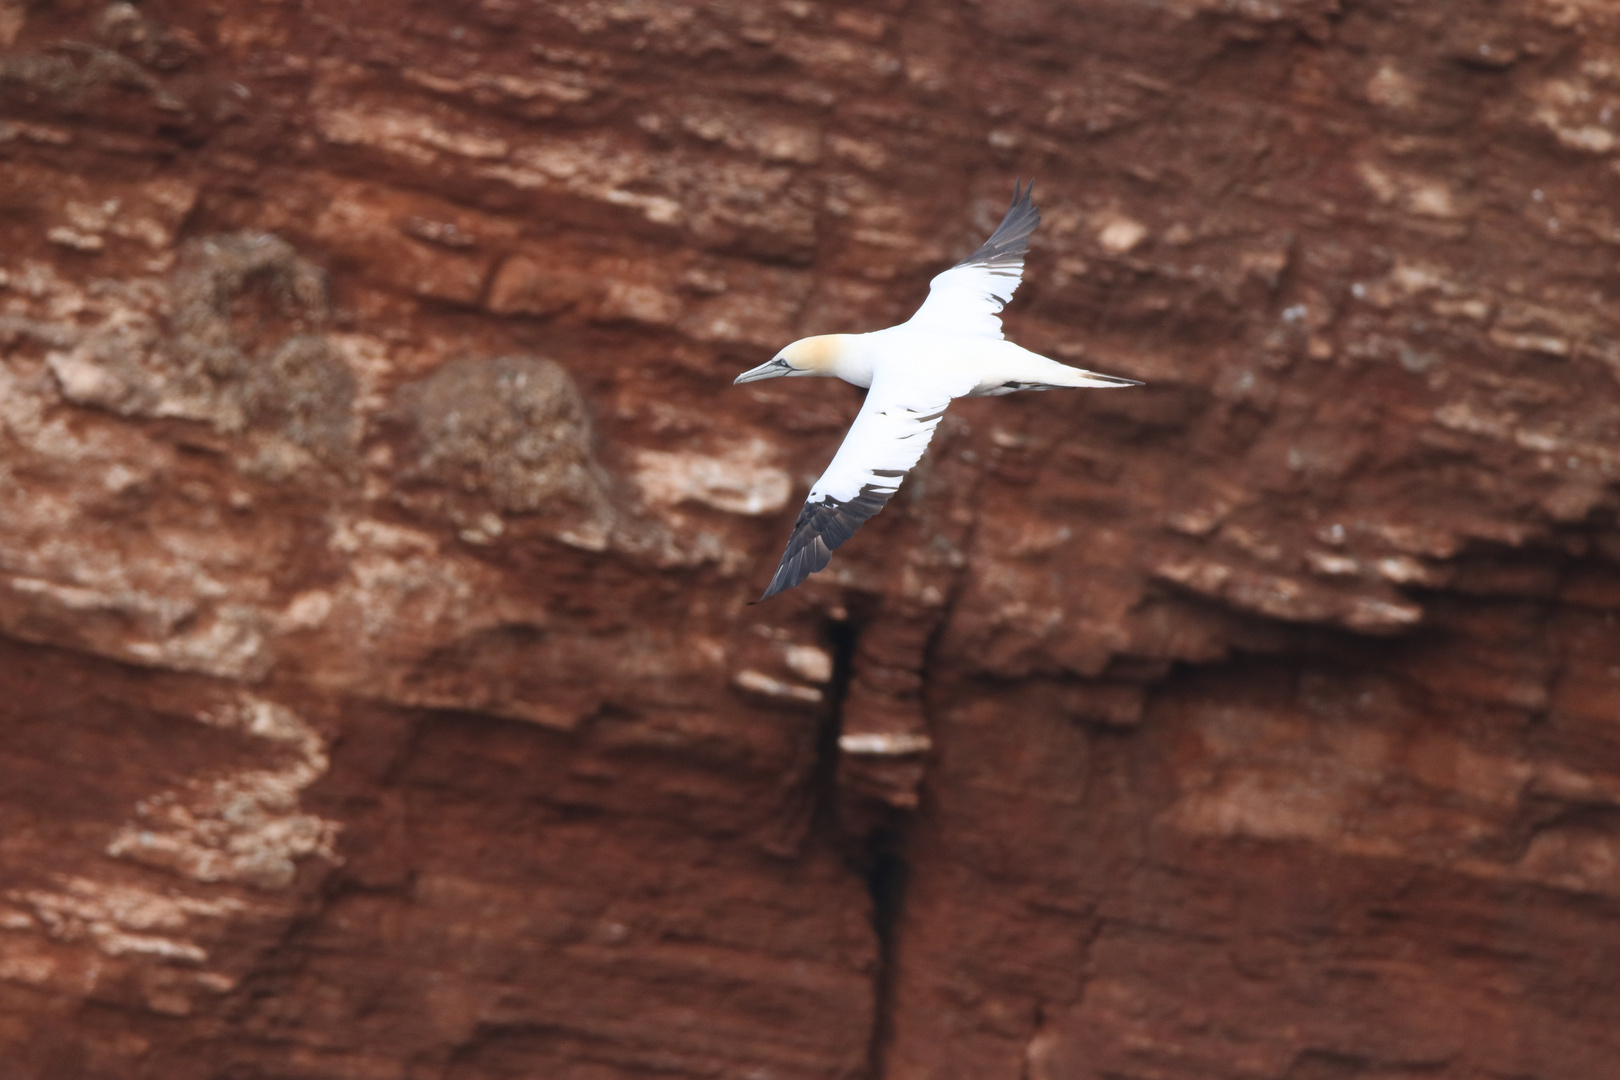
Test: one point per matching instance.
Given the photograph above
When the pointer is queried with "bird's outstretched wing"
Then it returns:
(888, 437)
(967, 298)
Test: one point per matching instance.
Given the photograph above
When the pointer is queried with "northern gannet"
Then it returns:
(952, 347)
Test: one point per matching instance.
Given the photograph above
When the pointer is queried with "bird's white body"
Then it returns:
(921, 356)
(952, 347)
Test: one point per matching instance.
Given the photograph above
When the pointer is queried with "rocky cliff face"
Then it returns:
(378, 694)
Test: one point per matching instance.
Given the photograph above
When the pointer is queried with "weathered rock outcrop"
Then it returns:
(378, 691)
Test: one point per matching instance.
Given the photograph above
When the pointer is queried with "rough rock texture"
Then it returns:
(378, 694)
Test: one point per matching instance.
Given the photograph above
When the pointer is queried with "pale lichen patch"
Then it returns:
(739, 481)
(245, 827)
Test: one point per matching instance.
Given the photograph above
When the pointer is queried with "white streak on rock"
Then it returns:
(761, 683)
(884, 744)
(809, 662)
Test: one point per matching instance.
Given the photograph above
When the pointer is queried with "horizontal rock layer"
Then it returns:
(378, 520)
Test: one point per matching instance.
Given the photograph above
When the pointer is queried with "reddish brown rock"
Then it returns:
(379, 695)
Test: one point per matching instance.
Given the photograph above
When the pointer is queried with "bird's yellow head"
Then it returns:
(817, 355)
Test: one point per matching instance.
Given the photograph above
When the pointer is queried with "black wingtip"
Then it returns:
(1008, 244)
(1023, 197)
(822, 528)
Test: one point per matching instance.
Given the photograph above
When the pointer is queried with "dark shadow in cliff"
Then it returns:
(872, 836)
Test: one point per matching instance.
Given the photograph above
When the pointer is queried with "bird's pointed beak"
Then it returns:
(768, 370)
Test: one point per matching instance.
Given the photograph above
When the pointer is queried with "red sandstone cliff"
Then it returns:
(378, 697)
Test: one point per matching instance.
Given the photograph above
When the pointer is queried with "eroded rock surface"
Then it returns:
(378, 690)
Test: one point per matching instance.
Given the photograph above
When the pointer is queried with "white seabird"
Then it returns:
(952, 347)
